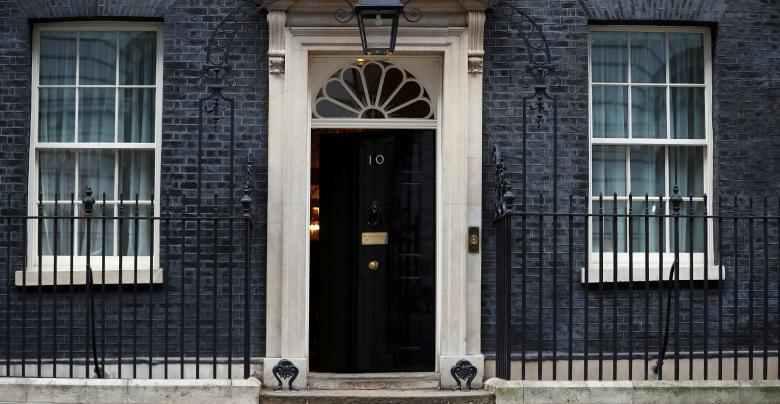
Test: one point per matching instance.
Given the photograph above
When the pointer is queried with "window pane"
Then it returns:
(138, 54)
(58, 58)
(417, 109)
(136, 173)
(135, 230)
(353, 94)
(394, 77)
(373, 75)
(609, 170)
(686, 165)
(604, 227)
(96, 114)
(691, 228)
(645, 236)
(56, 114)
(647, 170)
(409, 91)
(609, 57)
(57, 170)
(648, 112)
(328, 109)
(688, 113)
(610, 112)
(136, 115)
(648, 56)
(96, 230)
(61, 235)
(97, 58)
(96, 171)
(686, 57)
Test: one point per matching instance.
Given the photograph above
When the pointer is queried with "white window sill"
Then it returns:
(29, 277)
(606, 271)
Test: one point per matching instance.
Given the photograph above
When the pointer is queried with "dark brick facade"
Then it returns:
(746, 47)
(746, 37)
(187, 26)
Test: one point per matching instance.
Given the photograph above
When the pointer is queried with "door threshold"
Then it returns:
(374, 381)
(427, 396)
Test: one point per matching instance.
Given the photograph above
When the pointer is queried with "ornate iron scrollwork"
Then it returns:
(246, 199)
(465, 371)
(344, 16)
(414, 14)
(285, 370)
(540, 73)
(504, 195)
(217, 79)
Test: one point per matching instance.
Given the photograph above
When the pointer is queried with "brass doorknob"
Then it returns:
(373, 265)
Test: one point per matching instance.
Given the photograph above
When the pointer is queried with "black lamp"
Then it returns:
(378, 23)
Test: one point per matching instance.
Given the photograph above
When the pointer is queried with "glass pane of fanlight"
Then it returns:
(373, 75)
(329, 109)
(393, 79)
(418, 109)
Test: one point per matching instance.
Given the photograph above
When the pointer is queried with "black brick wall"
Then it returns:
(187, 24)
(68, 9)
(14, 97)
(746, 109)
(746, 36)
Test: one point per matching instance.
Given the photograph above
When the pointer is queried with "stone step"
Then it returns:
(374, 381)
(429, 396)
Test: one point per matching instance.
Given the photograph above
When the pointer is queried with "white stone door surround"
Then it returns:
(459, 180)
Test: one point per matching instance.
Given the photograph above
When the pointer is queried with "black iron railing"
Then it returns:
(611, 290)
(95, 289)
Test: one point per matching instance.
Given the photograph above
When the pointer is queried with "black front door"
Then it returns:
(373, 288)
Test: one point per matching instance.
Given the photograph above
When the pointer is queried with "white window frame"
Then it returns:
(112, 266)
(606, 269)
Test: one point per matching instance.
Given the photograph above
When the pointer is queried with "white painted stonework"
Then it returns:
(122, 391)
(442, 41)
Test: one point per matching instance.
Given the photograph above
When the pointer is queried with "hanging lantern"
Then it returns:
(378, 23)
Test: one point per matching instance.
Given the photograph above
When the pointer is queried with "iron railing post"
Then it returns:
(10, 281)
(90, 332)
(676, 201)
(502, 222)
(246, 209)
(674, 276)
(55, 270)
(88, 202)
(39, 317)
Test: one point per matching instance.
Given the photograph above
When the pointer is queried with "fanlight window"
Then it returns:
(376, 90)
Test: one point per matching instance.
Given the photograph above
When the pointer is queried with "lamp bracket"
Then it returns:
(344, 16)
(414, 14)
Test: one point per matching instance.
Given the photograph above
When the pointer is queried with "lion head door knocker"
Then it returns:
(285, 370)
(463, 370)
(374, 213)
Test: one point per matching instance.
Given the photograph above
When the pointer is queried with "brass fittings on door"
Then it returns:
(373, 265)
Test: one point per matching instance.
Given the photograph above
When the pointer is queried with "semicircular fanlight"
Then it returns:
(375, 90)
